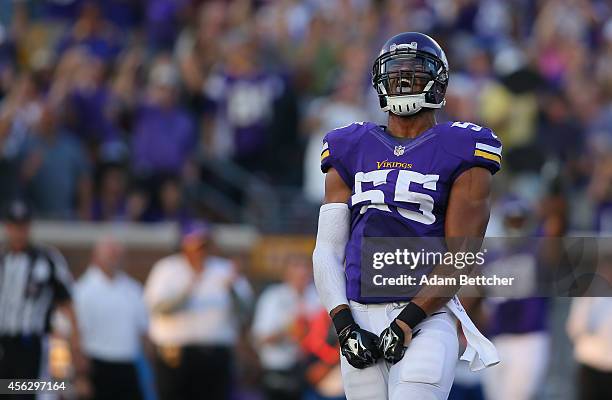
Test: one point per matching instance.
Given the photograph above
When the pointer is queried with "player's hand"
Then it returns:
(358, 346)
(394, 340)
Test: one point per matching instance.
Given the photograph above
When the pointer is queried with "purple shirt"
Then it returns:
(104, 45)
(118, 213)
(603, 217)
(400, 188)
(163, 140)
(68, 10)
(125, 14)
(245, 106)
(91, 114)
(518, 316)
(162, 18)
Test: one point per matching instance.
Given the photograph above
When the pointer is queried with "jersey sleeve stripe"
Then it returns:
(488, 156)
(324, 155)
(490, 149)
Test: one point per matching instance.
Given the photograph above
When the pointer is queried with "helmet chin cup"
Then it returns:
(405, 105)
(410, 104)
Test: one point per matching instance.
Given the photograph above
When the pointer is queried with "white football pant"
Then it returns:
(425, 373)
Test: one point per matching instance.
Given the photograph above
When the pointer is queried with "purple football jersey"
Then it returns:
(245, 105)
(400, 188)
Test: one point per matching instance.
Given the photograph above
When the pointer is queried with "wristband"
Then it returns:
(412, 315)
(342, 320)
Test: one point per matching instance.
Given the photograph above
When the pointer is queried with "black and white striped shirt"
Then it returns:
(31, 283)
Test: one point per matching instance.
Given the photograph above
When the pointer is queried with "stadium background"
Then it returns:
(155, 135)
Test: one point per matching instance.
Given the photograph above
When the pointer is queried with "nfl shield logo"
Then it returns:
(399, 150)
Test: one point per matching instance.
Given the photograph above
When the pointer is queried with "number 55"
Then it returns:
(402, 193)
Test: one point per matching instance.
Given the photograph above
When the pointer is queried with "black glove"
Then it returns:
(358, 346)
(391, 343)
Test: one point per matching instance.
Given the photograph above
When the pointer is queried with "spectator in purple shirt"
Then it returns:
(124, 14)
(163, 20)
(169, 202)
(90, 103)
(241, 100)
(518, 326)
(164, 133)
(60, 10)
(93, 32)
(110, 202)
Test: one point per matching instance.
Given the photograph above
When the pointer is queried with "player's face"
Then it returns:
(408, 75)
(195, 249)
(109, 255)
(18, 235)
(298, 273)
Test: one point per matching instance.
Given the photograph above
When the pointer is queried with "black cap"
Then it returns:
(18, 212)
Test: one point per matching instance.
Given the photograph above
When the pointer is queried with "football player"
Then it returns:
(411, 178)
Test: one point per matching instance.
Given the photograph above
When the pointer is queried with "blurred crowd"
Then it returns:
(124, 110)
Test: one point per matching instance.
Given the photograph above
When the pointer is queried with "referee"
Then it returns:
(33, 281)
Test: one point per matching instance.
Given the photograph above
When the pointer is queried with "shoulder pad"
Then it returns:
(341, 138)
(475, 145)
(337, 145)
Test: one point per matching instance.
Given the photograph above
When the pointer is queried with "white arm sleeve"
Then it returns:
(328, 256)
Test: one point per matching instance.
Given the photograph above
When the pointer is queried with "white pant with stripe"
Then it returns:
(425, 373)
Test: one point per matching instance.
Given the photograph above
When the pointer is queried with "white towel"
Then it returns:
(480, 353)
